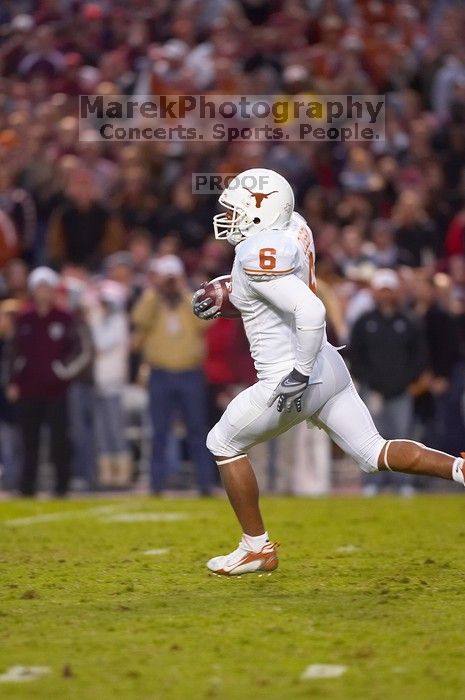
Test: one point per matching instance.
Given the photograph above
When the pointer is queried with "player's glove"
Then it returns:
(289, 391)
(204, 308)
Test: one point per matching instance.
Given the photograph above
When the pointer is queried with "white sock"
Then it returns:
(457, 473)
(255, 544)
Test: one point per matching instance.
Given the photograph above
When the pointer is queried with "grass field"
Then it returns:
(373, 585)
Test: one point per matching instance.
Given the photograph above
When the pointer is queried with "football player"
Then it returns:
(300, 375)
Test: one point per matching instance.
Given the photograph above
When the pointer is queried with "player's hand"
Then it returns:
(289, 391)
(204, 308)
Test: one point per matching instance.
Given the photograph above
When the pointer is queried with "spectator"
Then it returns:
(82, 231)
(358, 295)
(119, 268)
(416, 236)
(136, 202)
(46, 355)
(17, 219)
(9, 438)
(451, 73)
(43, 57)
(387, 355)
(104, 171)
(383, 251)
(189, 217)
(173, 345)
(352, 254)
(440, 405)
(15, 274)
(455, 237)
(141, 251)
(110, 333)
(81, 394)
(360, 174)
(219, 367)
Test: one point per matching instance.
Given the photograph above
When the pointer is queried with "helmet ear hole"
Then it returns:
(256, 220)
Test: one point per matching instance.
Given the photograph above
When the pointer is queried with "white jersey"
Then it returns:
(273, 272)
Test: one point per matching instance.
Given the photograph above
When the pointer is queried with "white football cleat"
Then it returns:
(244, 561)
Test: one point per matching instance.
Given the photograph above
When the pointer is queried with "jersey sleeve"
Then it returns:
(291, 295)
(268, 257)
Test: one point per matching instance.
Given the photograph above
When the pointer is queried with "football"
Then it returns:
(218, 290)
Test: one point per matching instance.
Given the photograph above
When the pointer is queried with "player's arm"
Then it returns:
(290, 295)
(284, 291)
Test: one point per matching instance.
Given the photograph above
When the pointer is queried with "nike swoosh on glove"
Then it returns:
(205, 309)
(289, 391)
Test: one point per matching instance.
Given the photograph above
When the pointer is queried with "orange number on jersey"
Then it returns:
(267, 258)
(311, 273)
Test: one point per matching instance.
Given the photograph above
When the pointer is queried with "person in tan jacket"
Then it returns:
(172, 342)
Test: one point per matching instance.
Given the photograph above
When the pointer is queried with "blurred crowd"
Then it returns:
(101, 244)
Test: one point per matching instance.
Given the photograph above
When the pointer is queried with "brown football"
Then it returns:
(218, 290)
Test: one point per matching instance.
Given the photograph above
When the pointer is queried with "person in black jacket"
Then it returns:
(439, 407)
(387, 355)
(82, 231)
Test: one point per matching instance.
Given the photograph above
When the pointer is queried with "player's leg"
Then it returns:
(412, 457)
(246, 421)
(348, 421)
(241, 487)
(240, 426)
(255, 551)
(239, 478)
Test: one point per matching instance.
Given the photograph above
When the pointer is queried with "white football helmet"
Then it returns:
(254, 200)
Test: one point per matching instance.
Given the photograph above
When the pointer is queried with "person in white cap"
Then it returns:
(110, 332)
(167, 267)
(47, 354)
(387, 354)
(172, 342)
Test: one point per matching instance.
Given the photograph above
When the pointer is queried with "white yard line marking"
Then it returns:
(37, 519)
(323, 671)
(17, 674)
(348, 549)
(157, 552)
(106, 514)
(63, 515)
(145, 517)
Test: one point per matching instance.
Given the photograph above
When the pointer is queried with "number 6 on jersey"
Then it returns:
(267, 258)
